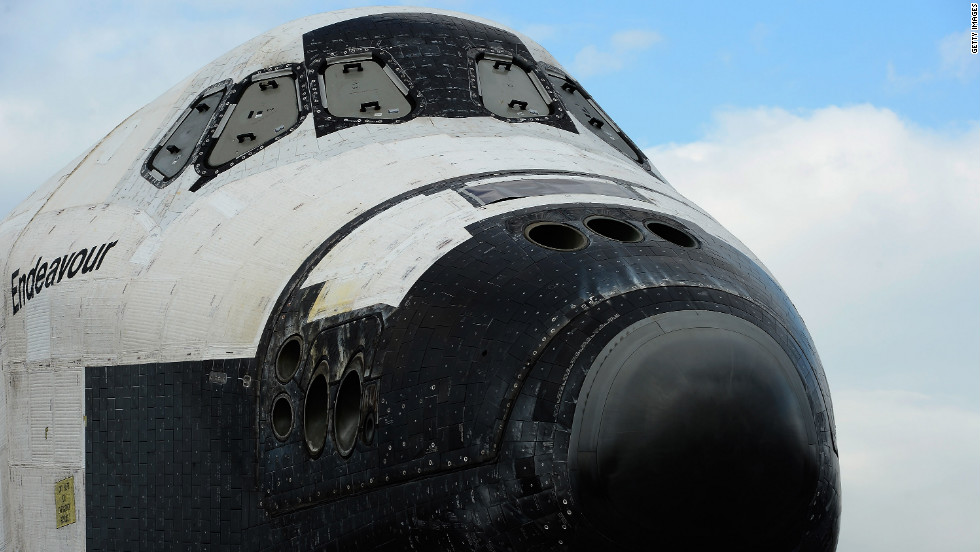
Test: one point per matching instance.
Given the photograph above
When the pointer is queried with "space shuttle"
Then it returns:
(391, 279)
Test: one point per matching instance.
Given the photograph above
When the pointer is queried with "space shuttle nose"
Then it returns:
(693, 432)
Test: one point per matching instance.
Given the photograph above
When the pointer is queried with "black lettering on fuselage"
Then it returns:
(52, 272)
(23, 287)
(89, 263)
(21, 284)
(13, 291)
(42, 273)
(80, 256)
(65, 261)
(31, 279)
(108, 246)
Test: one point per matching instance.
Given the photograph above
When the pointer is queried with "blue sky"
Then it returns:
(703, 56)
(802, 55)
(840, 141)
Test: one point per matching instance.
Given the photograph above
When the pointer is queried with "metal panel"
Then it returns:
(507, 89)
(585, 110)
(267, 108)
(174, 154)
(358, 86)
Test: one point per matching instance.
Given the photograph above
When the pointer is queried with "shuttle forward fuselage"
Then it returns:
(390, 278)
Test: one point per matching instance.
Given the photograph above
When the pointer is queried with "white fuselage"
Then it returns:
(171, 275)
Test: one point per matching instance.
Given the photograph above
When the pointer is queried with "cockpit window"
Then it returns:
(361, 86)
(176, 151)
(179, 146)
(583, 108)
(268, 108)
(508, 90)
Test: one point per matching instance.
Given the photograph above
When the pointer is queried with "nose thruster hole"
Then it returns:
(671, 234)
(315, 414)
(369, 426)
(347, 412)
(559, 237)
(282, 416)
(288, 359)
(614, 229)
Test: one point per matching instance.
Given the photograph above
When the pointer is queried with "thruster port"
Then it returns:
(282, 416)
(552, 235)
(614, 229)
(671, 234)
(288, 360)
(315, 414)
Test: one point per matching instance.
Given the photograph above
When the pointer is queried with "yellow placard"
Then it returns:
(64, 502)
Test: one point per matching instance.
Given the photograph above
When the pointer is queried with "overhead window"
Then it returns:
(508, 90)
(360, 86)
(177, 148)
(267, 109)
(529, 187)
(583, 108)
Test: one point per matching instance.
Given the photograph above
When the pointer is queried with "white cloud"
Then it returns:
(540, 32)
(956, 58)
(623, 47)
(758, 36)
(857, 190)
(633, 40)
(910, 473)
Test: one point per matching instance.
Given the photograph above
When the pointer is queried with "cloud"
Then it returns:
(955, 60)
(909, 472)
(623, 47)
(856, 187)
(955, 57)
(635, 40)
(540, 32)
(758, 36)
(867, 221)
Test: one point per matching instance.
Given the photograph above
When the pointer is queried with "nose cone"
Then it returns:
(693, 432)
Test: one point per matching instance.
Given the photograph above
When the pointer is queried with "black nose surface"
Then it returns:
(693, 432)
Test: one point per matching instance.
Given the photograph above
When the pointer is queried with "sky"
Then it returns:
(839, 140)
